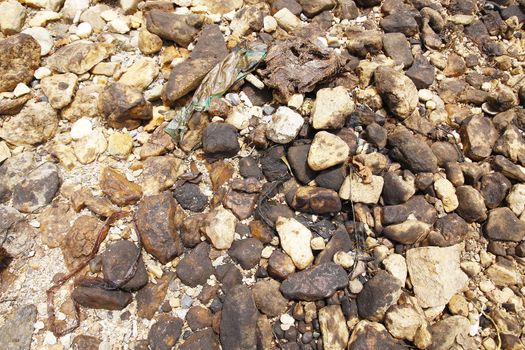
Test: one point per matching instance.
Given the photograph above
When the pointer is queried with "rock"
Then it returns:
(160, 173)
(501, 98)
(157, 227)
(285, 125)
(240, 203)
(312, 8)
(361, 43)
(205, 339)
(273, 167)
(220, 227)
(149, 43)
(297, 158)
(471, 204)
(326, 151)
(117, 259)
(397, 90)
(504, 273)
(458, 305)
(20, 59)
(332, 178)
(414, 154)
(503, 225)
(80, 240)
(59, 89)
(446, 192)
(280, 265)
(403, 321)
(478, 136)
(372, 335)
(190, 197)
(452, 230)
(124, 106)
(89, 147)
(397, 47)
(90, 293)
(400, 22)
(165, 333)
(199, 317)
(219, 8)
(42, 36)
(376, 134)
(331, 108)
(179, 28)
(333, 327)
(295, 241)
(13, 17)
(78, 57)
(516, 199)
(511, 144)
(118, 188)
(54, 224)
(246, 252)
(357, 190)
(268, 298)
(239, 320)
(219, 140)
(445, 332)
(435, 274)
(248, 168)
(120, 145)
(445, 152)
(287, 20)
(37, 189)
(17, 331)
(509, 169)
(421, 72)
(152, 296)
(408, 232)
(378, 294)
(316, 200)
(140, 74)
(86, 342)
(316, 283)
(36, 123)
(494, 188)
(416, 206)
(398, 189)
(84, 104)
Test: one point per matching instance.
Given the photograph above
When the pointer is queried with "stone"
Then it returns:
(501, 98)
(270, 24)
(416, 206)
(312, 8)
(179, 28)
(20, 59)
(117, 260)
(150, 297)
(220, 227)
(86, 342)
(435, 274)
(372, 335)
(511, 144)
(239, 320)
(397, 90)
(149, 43)
(362, 43)
(190, 197)
(326, 151)
(378, 294)
(471, 204)
(35, 124)
(287, 20)
(140, 74)
(398, 189)
(452, 230)
(316, 200)
(422, 73)
(445, 332)
(478, 136)
(90, 293)
(88, 148)
(124, 106)
(332, 178)
(120, 145)
(445, 152)
(219, 140)
(268, 298)
(165, 333)
(219, 8)
(248, 168)
(118, 188)
(502, 224)
(316, 283)
(78, 57)
(509, 169)
(17, 331)
(37, 189)
(84, 104)
(42, 36)
(246, 252)
(199, 317)
(204, 339)
(295, 240)
(59, 89)
(297, 158)
(331, 108)
(516, 199)
(458, 305)
(80, 240)
(13, 17)
(446, 192)
(397, 47)
(355, 189)
(403, 321)
(240, 203)
(160, 173)
(285, 125)
(54, 224)
(280, 265)
(157, 227)
(376, 134)
(411, 152)
(333, 327)
(504, 273)
(400, 22)
(408, 232)
(494, 187)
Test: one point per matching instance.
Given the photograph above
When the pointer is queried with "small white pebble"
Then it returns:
(42, 72)
(317, 243)
(81, 128)
(425, 95)
(84, 30)
(270, 24)
(267, 252)
(34, 223)
(50, 339)
(39, 325)
(21, 89)
(156, 270)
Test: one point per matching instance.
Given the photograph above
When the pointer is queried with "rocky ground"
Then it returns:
(363, 188)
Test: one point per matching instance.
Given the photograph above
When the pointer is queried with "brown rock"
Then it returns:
(78, 57)
(195, 268)
(190, 231)
(478, 136)
(152, 295)
(268, 298)
(240, 203)
(165, 333)
(54, 224)
(179, 28)
(85, 342)
(118, 259)
(149, 43)
(220, 172)
(160, 173)
(280, 265)
(455, 66)
(471, 204)
(80, 240)
(200, 340)
(84, 103)
(316, 200)
(198, 317)
(20, 59)
(118, 188)
(94, 293)
(14, 105)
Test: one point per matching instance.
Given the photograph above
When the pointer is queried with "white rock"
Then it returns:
(287, 20)
(355, 286)
(355, 189)
(446, 191)
(141, 73)
(12, 16)
(295, 240)
(403, 321)
(270, 24)
(41, 18)
(59, 89)
(239, 118)
(74, 8)
(333, 327)
(516, 199)
(42, 72)
(285, 125)
(119, 25)
(344, 259)
(21, 89)
(435, 274)
(395, 264)
(331, 108)
(84, 30)
(42, 36)
(296, 101)
(425, 95)
(88, 148)
(129, 5)
(4, 151)
(317, 243)
(221, 227)
(326, 151)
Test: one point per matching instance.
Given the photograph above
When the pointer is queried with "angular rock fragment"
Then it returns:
(295, 240)
(220, 228)
(179, 28)
(378, 294)
(165, 333)
(20, 59)
(37, 189)
(91, 293)
(59, 89)
(316, 200)
(372, 335)
(78, 57)
(246, 252)
(118, 188)
(195, 268)
(398, 92)
(268, 298)
(118, 259)
(333, 327)
(503, 225)
(326, 151)
(331, 108)
(219, 140)
(17, 331)
(239, 320)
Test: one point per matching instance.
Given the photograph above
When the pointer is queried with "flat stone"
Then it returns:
(165, 333)
(246, 252)
(220, 227)
(78, 57)
(471, 204)
(117, 260)
(331, 108)
(408, 232)
(37, 189)
(295, 240)
(195, 268)
(397, 47)
(333, 327)
(118, 188)
(90, 293)
(20, 59)
(357, 190)
(268, 298)
(316, 200)
(59, 89)
(326, 151)
(478, 136)
(378, 294)
(179, 28)
(372, 335)
(150, 297)
(502, 224)
(403, 321)
(400, 22)
(219, 140)
(239, 320)
(285, 125)
(416, 206)
(17, 331)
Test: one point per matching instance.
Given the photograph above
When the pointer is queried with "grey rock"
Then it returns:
(502, 224)
(400, 22)
(378, 294)
(247, 252)
(219, 141)
(239, 320)
(17, 331)
(37, 189)
(195, 268)
(422, 73)
(190, 197)
(397, 47)
(417, 206)
(398, 189)
(471, 204)
(117, 260)
(268, 298)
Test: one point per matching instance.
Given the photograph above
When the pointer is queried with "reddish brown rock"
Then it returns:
(118, 188)
(20, 59)
(80, 240)
(151, 296)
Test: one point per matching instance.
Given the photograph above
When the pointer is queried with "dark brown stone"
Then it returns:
(280, 265)
(165, 333)
(239, 320)
(124, 106)
(118, 259)
(151, 296)
(246, 252)
(93, 294)
(316, 200)
(198, 317)
(179, 28)
(195, 268)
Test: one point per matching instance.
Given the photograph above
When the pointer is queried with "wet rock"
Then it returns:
(78, 57)
(408, 232)
(400, 22)
(357, 190)
(118, 188)
(331, 108)
(295, 241)
(398, 189)
(150, 298)
(285, 125)
(268, 298)
(318, 282)
(397, 47)
(239, 320)
(435, 274)
(503, 225)
(246, 252)
(17, 331)
(421, 72)
(80, 240)
(280, 265)
(117, 260)
(316, 200)
(179, 28)
(157, 227)
(415, 155)
(37, 189)
(220, 228)
(333, 327)
(378, 294)
(59, 89)
(478, 136)
(240, 203)
(124, 106)
(91, 293)
(160, 173)
(361, 43)
(494, 189)
(326, 151)
(372, 335)
(444, 333)
(219, 141)
(297, 156)
(20, 59)
(397, 90)
(471, 204)
(190, 197)
(165, 333)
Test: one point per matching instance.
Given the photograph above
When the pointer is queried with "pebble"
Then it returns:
(326, 151)
(21, 89)
(81, 128)
(285, 125)
(84, 30)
